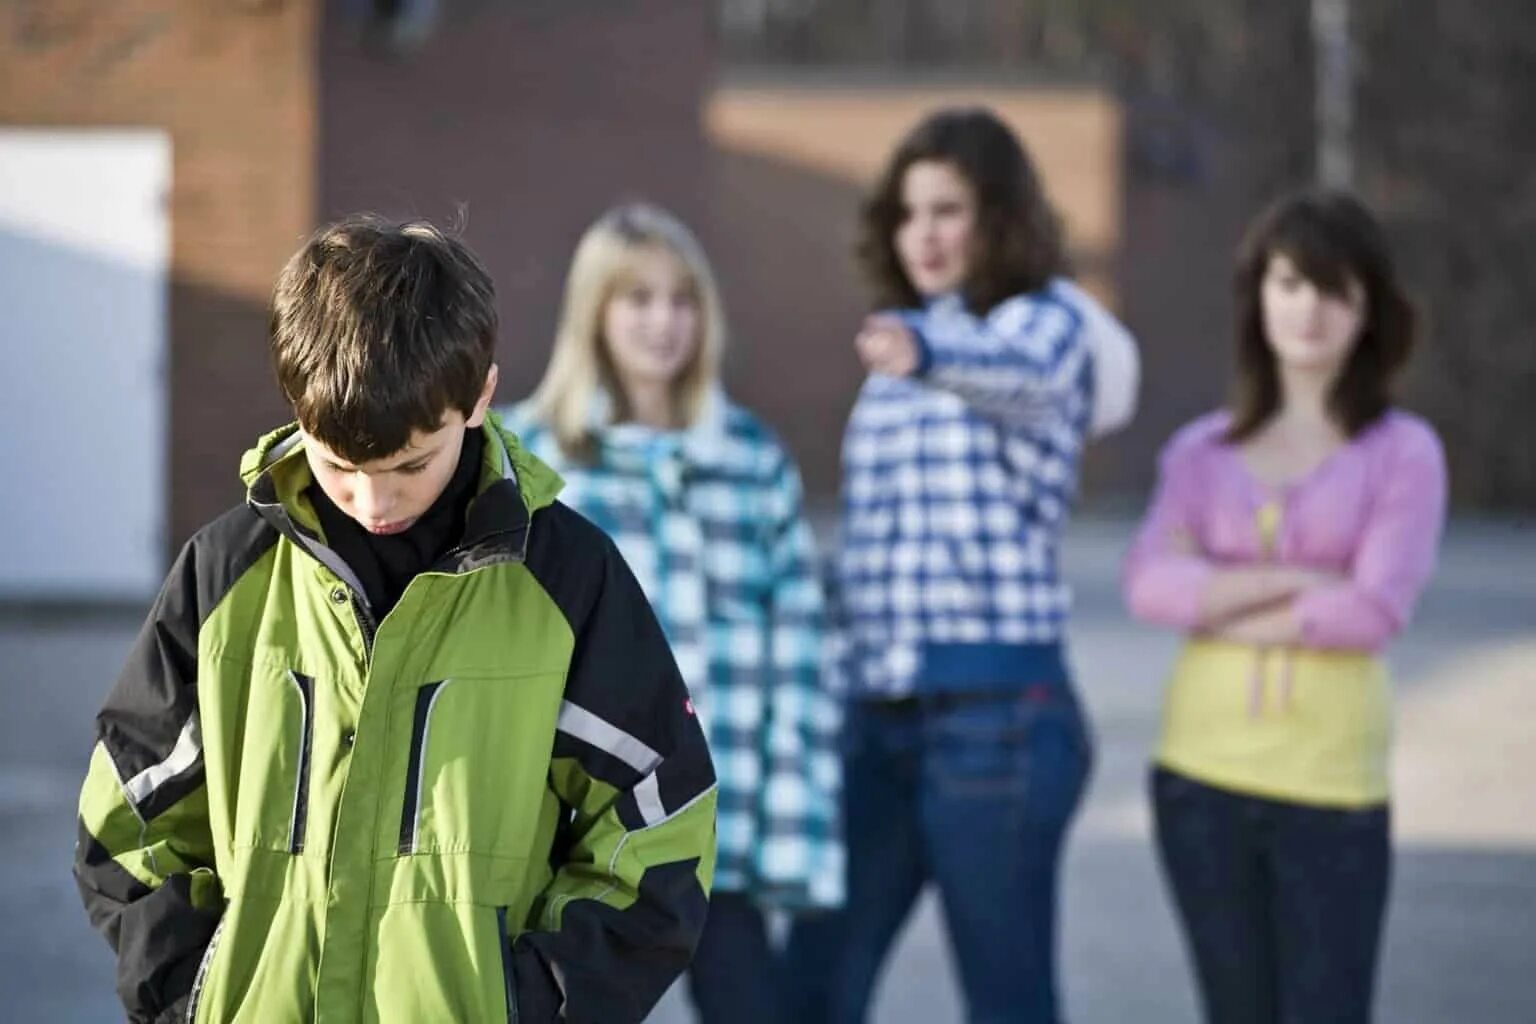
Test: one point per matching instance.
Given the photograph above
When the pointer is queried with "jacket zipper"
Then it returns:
(202, 970)
(366, 624)
(508, 978)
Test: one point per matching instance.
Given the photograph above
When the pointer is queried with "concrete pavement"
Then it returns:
(1461, 944)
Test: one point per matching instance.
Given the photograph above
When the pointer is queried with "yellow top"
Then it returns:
(1308, 726)
(1234, 720)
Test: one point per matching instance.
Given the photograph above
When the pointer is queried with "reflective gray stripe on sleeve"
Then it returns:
(188, 748)
(585, 726)
(648, 799)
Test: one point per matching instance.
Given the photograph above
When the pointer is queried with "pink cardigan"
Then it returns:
(1373, 510)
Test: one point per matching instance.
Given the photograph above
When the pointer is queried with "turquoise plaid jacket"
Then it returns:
(711, 521)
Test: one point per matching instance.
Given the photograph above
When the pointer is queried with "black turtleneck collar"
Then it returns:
(386, 565)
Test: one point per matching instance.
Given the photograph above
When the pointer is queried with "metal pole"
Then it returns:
(1333, 64)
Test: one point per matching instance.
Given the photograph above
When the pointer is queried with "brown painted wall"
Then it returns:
(525, 121)
(781, 238)
(234, 86)
(790, 164)
(530, 118)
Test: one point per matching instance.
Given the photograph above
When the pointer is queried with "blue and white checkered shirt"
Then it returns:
(957, 484)
(711, 522)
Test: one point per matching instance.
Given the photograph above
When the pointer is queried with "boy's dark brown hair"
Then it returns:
(1019, 233)
(1332, 240)
(378, 328)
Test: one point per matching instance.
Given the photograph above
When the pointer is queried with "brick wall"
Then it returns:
(524, 121)
(234, 84)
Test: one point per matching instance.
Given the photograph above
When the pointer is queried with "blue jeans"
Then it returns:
(1282, 903)
(974, 793)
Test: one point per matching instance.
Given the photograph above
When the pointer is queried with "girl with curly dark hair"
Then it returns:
(966, 752)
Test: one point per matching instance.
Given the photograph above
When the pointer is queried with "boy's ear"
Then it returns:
(478, 416)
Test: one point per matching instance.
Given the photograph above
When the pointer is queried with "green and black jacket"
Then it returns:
(494, 804)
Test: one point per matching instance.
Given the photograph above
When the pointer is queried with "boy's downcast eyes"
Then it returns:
(410, 469)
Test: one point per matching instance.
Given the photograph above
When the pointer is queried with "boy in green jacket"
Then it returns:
(401, 739)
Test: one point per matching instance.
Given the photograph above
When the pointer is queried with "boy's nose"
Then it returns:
(371, 501)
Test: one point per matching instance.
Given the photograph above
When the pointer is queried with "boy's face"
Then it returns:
(389, 494)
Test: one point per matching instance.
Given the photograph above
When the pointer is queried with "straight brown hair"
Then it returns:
(378, 328)
(1332, 240)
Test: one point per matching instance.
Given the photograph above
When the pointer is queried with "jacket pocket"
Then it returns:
(472, 755)
(305, 686)
(268, 764)
(421, 723)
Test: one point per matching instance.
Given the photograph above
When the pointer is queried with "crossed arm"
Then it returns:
(1257, 604)
(1170, 581)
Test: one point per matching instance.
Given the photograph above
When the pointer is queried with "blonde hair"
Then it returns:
(579, 366)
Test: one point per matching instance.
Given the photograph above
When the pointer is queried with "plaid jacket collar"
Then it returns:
(701, 445)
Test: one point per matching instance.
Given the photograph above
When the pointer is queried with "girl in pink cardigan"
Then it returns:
(1289, 539)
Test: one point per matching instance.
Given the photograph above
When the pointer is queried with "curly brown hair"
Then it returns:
(1020, 237)
(1333, 241)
